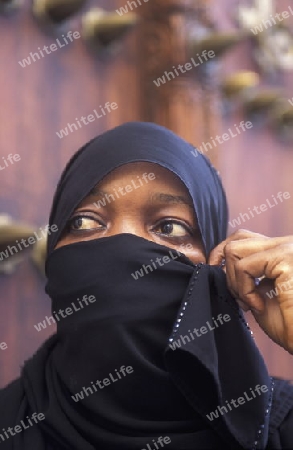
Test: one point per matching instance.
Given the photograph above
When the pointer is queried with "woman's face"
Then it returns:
(140, 198)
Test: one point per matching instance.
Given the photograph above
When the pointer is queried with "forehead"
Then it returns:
(150, 176)
(160, 185)
(144, 170)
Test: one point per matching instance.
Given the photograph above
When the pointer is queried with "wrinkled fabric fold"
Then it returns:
(127, 326)
(224, 361)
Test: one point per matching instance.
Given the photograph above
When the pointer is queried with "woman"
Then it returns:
(152, 350)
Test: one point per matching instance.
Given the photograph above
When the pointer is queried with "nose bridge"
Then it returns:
(127, 224)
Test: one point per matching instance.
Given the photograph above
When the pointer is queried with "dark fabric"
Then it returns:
(14, 397)
(283, 396)
(194, 367)
(202, 369)
(281, 423)
(136, 141)
(128, 325)
(173, 389)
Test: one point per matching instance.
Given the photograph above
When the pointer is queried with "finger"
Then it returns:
(269, 263)
(236, 250)
(244, 284)
(246, 247)
(217, 254)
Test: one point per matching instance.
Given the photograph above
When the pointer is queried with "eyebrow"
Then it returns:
(158, 197)
(170, 198)
(97, 191)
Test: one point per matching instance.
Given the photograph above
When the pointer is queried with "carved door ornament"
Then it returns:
(273, 37)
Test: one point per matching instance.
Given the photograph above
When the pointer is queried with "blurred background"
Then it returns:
(67, 59)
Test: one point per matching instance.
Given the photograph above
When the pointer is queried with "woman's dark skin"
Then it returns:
(161, 211)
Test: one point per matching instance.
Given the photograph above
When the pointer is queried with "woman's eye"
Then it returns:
(83, 223)
(172, 229)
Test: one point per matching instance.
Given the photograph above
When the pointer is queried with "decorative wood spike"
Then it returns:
(56, 11)
(8, 6)
(101, 29)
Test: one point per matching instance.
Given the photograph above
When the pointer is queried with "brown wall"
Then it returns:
(37, 101)
(40, 99)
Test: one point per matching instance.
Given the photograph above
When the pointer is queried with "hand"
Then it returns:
(249, 256)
